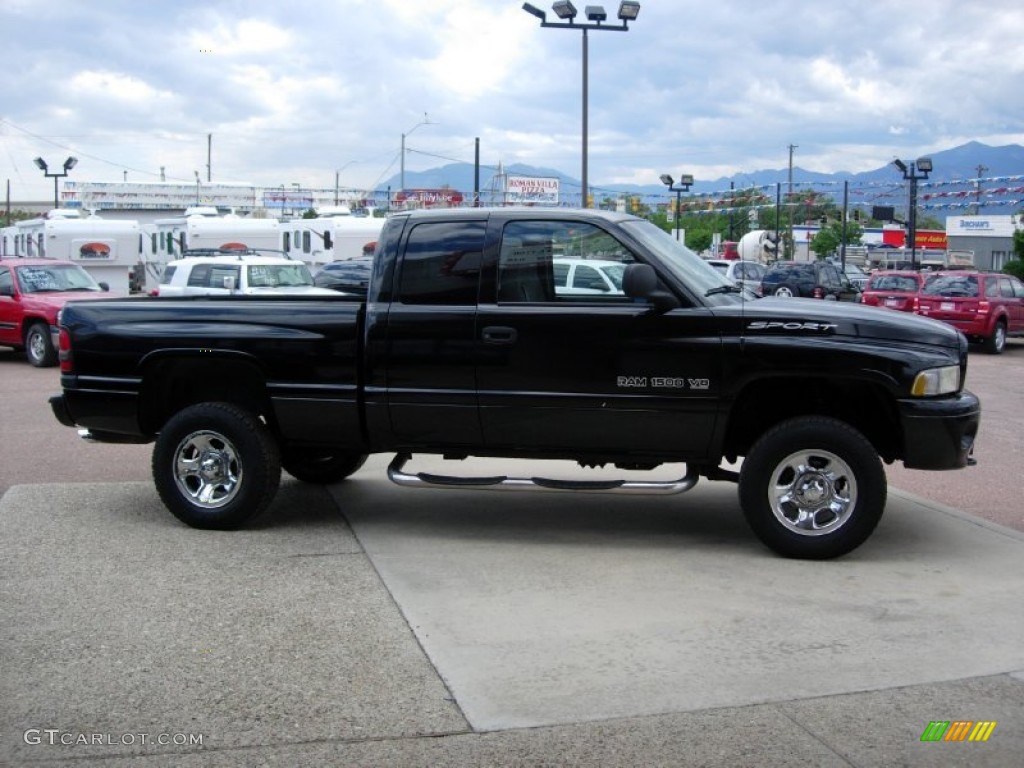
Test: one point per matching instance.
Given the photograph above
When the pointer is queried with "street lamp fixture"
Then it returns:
(685, 182)
(916, 171)
(628, 10)
(70, 163)
(425, 121)
(566, 11)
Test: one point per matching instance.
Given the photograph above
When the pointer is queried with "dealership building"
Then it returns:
(989, 237)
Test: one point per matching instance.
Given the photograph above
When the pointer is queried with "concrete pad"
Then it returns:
(116, 619)
(543, 609)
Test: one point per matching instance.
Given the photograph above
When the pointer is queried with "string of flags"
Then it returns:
(955, 194)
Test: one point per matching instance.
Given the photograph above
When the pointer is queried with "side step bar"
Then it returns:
(503, 483)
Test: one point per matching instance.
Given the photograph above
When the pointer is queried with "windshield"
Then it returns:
(690, 268)
(279, 275)
(55, 277)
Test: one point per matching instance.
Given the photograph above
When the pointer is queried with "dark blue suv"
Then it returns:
(808, 279)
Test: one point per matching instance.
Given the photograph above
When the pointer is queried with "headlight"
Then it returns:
(936, 381)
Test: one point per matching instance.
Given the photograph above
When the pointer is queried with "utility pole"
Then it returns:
(790, 245)
(977, 190)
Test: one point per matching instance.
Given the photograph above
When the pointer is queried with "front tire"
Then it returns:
(38, 346)
(812, 488)
(318, 466)
(215, 466)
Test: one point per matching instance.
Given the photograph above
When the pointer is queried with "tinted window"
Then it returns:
(199, 276)
(952, 286)
(442, 263)
(165, 278)
(587, 277)
(561, 274)
(899, 283)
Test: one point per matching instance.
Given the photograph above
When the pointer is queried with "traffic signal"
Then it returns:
(856, 214)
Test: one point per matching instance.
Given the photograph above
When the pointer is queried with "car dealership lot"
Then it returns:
(367, 624)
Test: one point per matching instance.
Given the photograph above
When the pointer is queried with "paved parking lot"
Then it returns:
(367, 624)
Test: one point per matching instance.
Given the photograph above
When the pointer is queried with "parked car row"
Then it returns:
(988, 307)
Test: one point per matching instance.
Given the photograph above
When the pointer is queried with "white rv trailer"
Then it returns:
(107, 249)
(203, 227)
(333, 235)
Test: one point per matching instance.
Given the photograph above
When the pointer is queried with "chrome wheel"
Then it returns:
(38, 348)
(784, 291)
(207, 469)
(812, 492)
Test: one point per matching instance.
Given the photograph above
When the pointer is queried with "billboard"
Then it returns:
(531, 189)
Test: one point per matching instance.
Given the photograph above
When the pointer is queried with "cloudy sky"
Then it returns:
(295, 92)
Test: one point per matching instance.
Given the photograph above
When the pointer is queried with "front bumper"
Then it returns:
(939, 433)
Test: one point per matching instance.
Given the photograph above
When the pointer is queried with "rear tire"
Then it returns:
(813, 488)
(785, 292)
(996, 343)
(317, 466)
(38, 346)
(215, 466)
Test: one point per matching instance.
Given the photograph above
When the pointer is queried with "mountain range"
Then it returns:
(957, 164)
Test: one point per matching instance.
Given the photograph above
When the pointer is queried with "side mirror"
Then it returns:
(104, 286)
(229, 283)
(640, 282)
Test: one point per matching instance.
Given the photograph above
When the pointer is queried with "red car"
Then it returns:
(986, 306)
(32, 292)
(893, 289)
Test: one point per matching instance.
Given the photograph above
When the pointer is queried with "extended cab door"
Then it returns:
(579, 375)
(425, 364)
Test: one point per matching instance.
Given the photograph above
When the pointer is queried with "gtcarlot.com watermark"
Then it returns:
(56, 737)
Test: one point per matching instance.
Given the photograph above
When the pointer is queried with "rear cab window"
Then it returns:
(442, 263)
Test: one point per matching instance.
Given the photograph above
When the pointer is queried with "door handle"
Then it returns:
(499, 334)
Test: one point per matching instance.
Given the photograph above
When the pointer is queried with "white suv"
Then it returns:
(588, 277)
(251, 273)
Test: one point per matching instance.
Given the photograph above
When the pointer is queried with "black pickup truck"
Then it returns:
(527, 333)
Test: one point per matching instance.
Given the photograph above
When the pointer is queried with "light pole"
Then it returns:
(917, 170)
(685, 182)
(425, 121)
(566, 11)
(70, 163)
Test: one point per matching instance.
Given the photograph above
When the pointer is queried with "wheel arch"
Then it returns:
(172, 382)
(865, 405)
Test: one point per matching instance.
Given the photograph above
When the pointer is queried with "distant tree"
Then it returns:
(17, 215)
(830, 237)
(309, 214)
(1016, 266)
